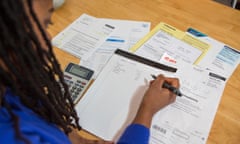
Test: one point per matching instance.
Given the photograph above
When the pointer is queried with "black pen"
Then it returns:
(175, 90)
(171, 88)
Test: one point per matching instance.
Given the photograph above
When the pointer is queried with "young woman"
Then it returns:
(33, 109)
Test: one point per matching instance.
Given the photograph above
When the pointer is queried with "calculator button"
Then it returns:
(68, 77)
(73, 98)
(77, 85)
(73, 95)
(74, 87)
(76, 94)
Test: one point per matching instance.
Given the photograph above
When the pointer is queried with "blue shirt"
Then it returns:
(38, 131)
(135, 134)
(32, 127)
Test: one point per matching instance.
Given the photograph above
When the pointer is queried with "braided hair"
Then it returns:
(29, 71)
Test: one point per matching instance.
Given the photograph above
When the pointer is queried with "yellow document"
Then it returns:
(167, 39)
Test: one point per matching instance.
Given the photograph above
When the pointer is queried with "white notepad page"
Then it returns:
(111, 103)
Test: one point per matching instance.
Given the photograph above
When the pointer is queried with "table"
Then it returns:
(216, 20)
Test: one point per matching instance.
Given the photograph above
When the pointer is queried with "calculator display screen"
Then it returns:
(80, 72)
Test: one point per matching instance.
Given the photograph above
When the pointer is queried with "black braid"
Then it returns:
(32, 73)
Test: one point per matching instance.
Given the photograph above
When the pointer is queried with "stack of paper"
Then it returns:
(95, 39)
(112, 101)
(215, 63)
(192, 47)
(203, 66)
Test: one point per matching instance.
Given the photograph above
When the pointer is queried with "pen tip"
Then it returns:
(153, 76)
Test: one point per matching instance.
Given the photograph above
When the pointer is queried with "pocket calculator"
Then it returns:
(77, 78)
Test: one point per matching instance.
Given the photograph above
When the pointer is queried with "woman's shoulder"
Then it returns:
(30, 125)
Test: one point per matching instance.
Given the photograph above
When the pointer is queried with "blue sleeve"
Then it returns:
(135, 134)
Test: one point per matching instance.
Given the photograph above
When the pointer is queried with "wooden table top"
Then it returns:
(216, 20)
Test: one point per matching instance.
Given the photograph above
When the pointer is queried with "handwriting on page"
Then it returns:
(119, 68)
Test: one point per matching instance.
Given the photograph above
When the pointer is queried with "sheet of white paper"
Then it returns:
(189, 120)
(226, 61)
(112, 101)
(83, 36)
(115, 96)
(124, 37)
(220, 58)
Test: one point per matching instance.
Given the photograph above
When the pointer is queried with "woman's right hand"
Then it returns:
(155, 98)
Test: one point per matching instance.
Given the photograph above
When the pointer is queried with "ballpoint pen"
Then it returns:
(174, 89)
(171, 88)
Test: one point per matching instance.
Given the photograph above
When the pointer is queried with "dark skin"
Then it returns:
(154, 99)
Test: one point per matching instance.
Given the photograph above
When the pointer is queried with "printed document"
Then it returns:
(111, 103)
(165, 38)
(189, 120)
(221, 58)
(192, 47)
(83, 36)
(126, 34)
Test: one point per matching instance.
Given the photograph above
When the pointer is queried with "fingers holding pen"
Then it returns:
(161, 79)
(173, 82)
(155, 98)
